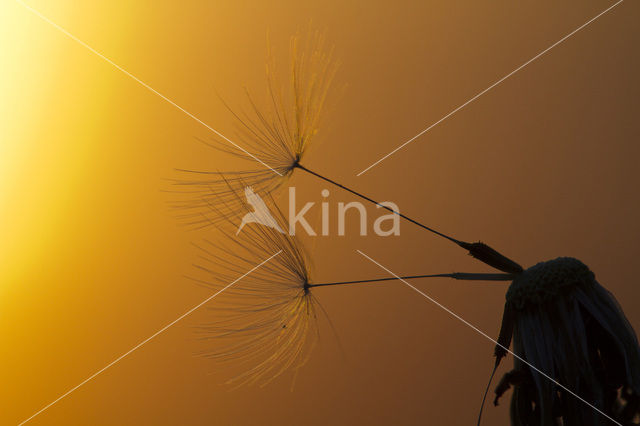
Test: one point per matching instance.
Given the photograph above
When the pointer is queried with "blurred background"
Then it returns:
(92, 260)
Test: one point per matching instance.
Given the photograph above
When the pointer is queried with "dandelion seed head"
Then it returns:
(267, 321)
(278, 133)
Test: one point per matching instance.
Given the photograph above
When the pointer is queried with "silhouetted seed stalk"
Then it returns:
(478, 250)
(455, 275)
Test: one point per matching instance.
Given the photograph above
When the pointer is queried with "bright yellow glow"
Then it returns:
(92, 261)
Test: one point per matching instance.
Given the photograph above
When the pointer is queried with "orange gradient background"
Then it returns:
(92, 261)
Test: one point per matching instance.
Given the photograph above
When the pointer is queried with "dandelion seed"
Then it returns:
(560, 319)
(280, 136)
(269, 320)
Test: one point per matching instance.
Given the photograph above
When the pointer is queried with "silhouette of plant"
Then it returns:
(268, 319)
(280, 137)
(561, 320)
(566, 324)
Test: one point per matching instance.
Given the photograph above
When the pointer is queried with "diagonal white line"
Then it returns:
(142, 83)
(489, 88)
(148, 339)
(482, 333)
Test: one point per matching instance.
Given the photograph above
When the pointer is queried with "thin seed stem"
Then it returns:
(455, 276)
(301, 167)
(479, 250)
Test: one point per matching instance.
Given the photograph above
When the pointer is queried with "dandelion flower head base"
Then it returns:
(564, 322)
(547, 280)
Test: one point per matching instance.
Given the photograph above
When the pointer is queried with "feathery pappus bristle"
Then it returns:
(277, 134)
(267, 321)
